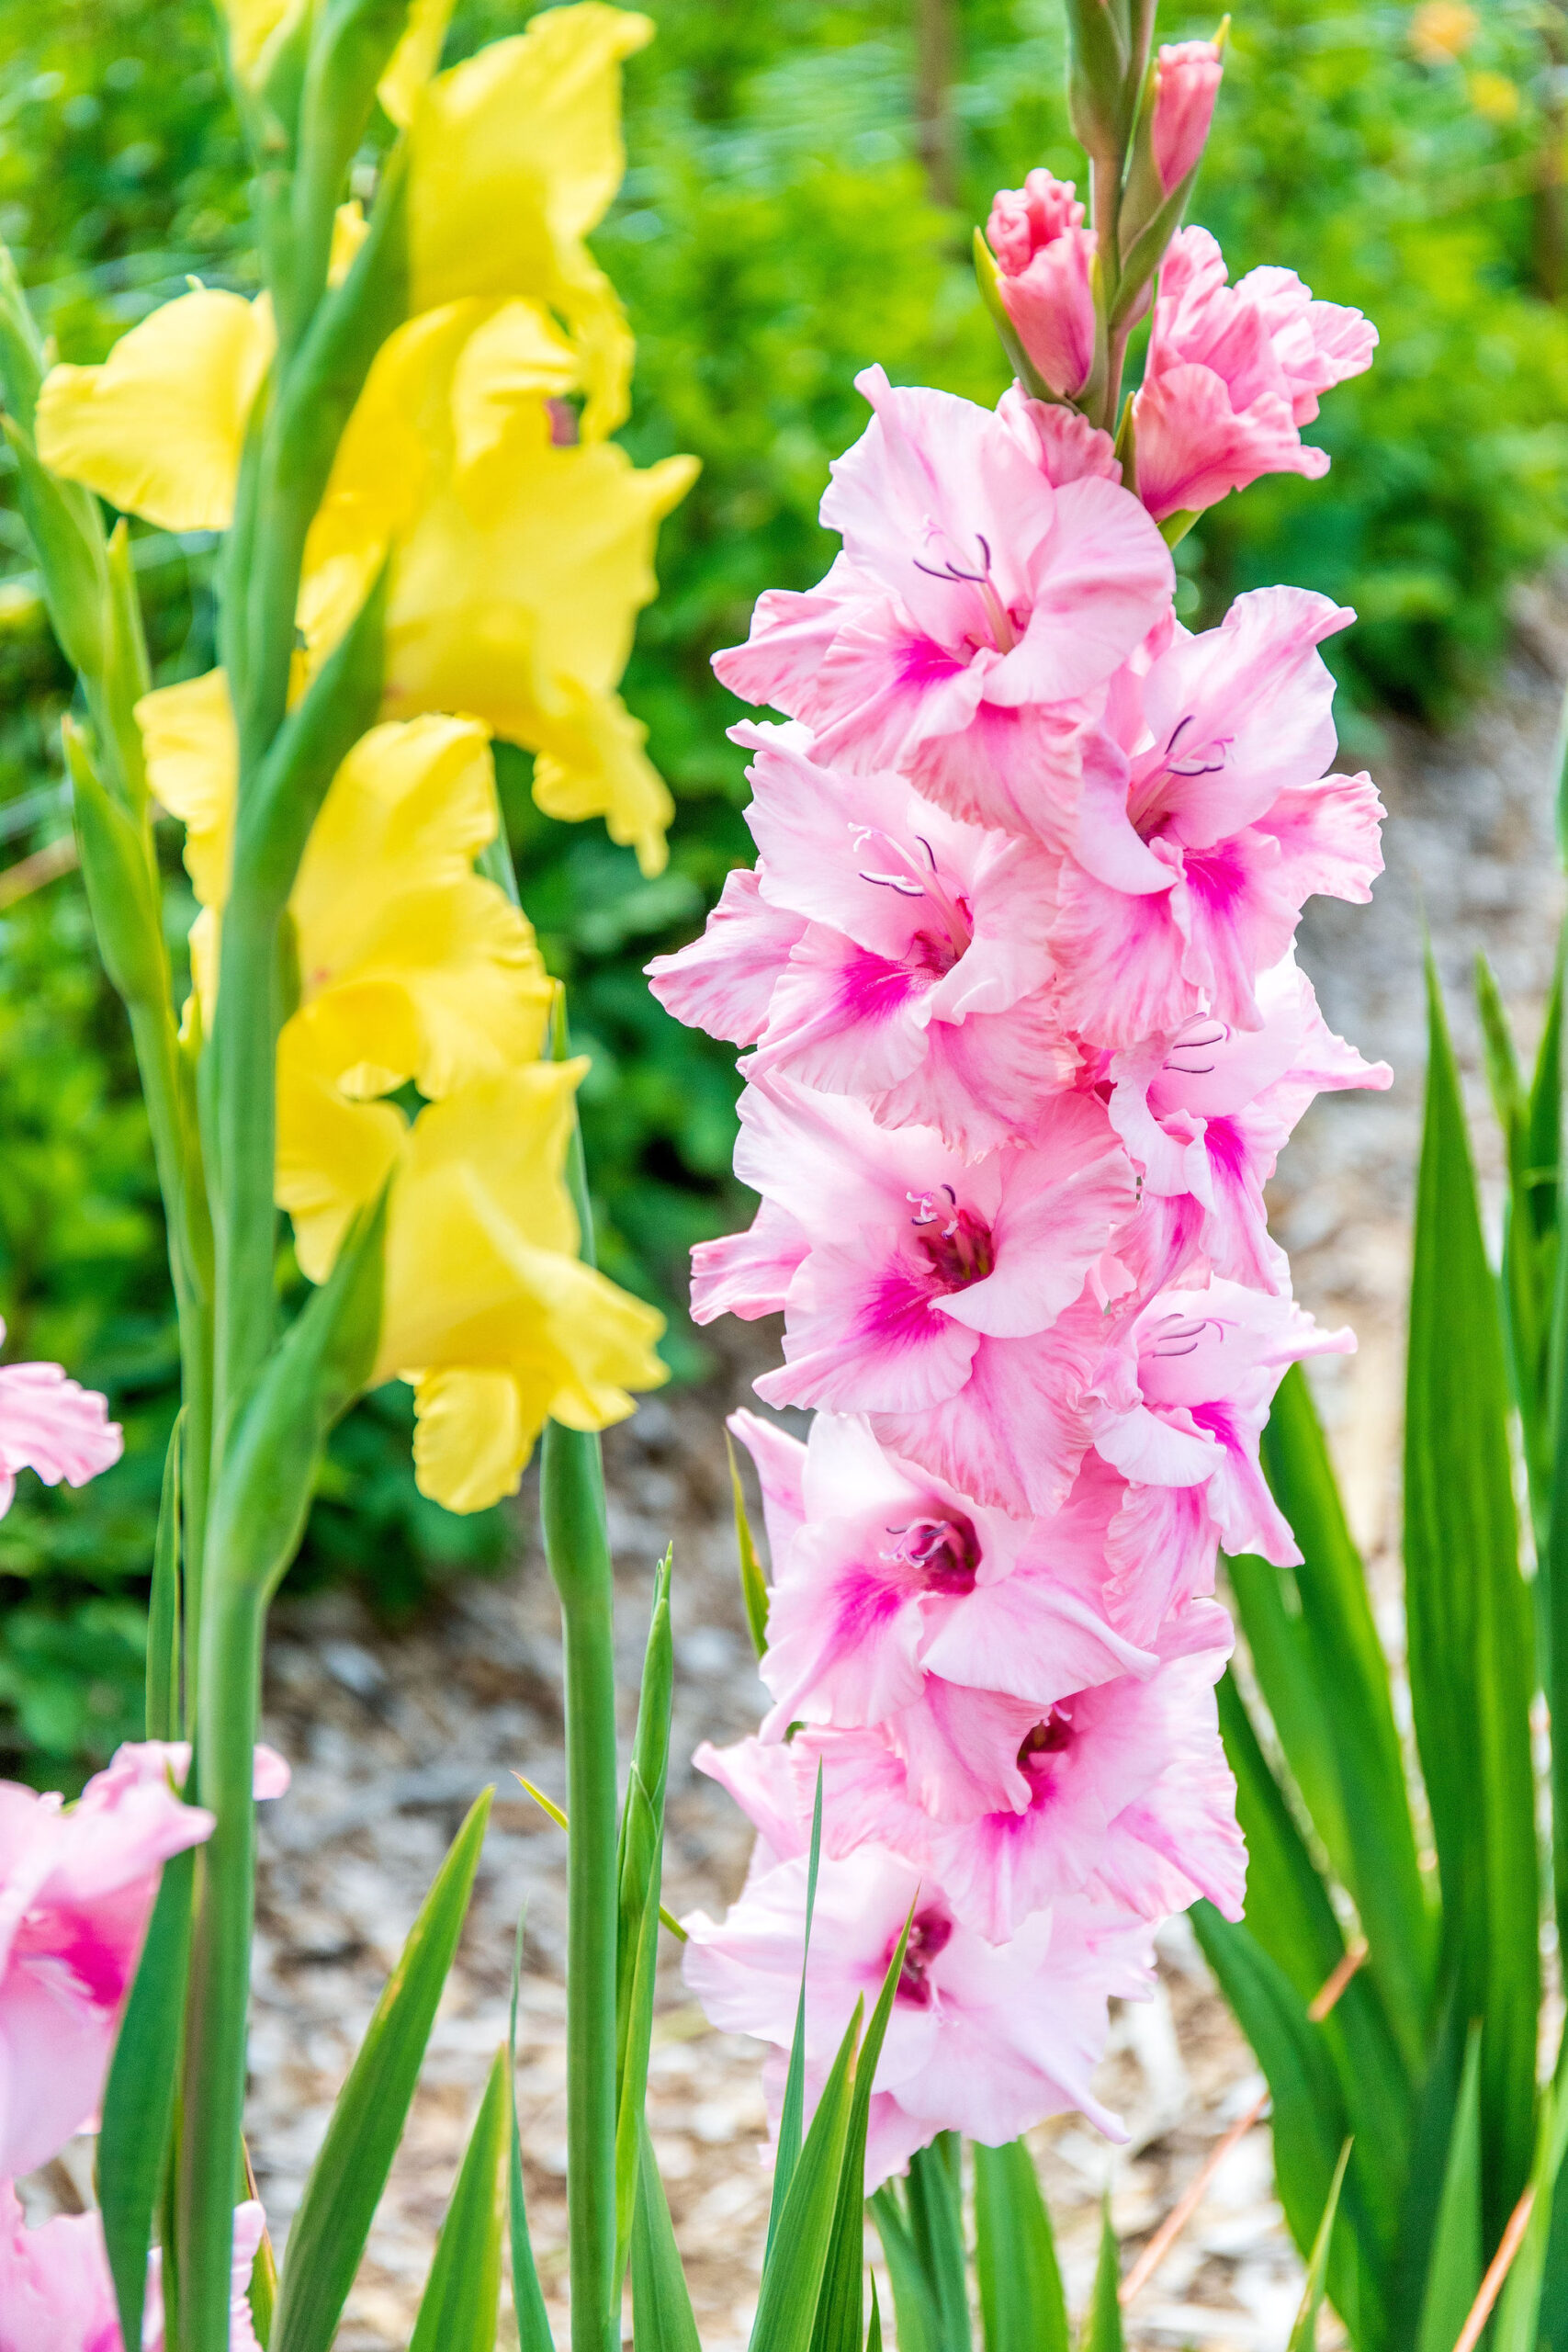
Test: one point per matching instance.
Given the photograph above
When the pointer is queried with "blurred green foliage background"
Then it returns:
(802, 184)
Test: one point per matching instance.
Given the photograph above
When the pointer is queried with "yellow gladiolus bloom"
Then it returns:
(490, 1312)
(158, 429)
(519, 563)
(411, 964)
(513, 157)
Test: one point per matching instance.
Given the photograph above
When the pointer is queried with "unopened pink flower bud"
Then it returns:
(1043, 254)
(1186, 83)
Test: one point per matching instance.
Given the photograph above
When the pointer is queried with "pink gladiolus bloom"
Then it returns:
(1184, 1429)
(53, 1425)
(885, 1577)
(76, 1886)
(911, 965)
(986, 2040)
(1233, 374)
(1045, 256)
(1204, 1115)
(1230, 825)
(56, 2294)
(1121, 1791)
(1186, 83)
(909, 1278)
(974, 608)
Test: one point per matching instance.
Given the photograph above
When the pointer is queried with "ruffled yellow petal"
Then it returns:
(514, 156)
(158, 429)
(332, 1156)
(422, 967)
(192, 752)
(589, 762)
(483, 1285)
(515, 596)
(516, 356)
(473, 1434)
(414, 59)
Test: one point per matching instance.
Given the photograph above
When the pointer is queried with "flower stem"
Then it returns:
(577, 1546)
(218, 2007)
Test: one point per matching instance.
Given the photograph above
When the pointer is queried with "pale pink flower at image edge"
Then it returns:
(56, 2294)
(51, 1424)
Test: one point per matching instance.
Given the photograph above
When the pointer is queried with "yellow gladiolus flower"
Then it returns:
(411, 964)
(513, 157)
(519, 563)
(158, 429)
(490, 1312)
(253, 24)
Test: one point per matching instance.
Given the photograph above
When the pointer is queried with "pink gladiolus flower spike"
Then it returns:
(1046, 256)
(1186, 83)
(1233, 374)
(973, 610)
(51, 1424)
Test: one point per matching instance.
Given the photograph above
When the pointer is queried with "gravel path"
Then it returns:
(390, 1738)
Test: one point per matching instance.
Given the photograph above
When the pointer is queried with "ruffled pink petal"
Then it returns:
(722, 981)
(51, 1424)
(747, 1273)
(1329, 837)
(780, 1463)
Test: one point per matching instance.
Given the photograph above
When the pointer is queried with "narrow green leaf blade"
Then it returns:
(528, 2295)
(793, 2109)
(1309, 2113)
(1023, 2306)
(1470, 1637)
(1349, 1676)
(753, 1585)
(1290, 1915)
(632, 2087)
(1454, 2264)
(1303, 2335)
(344, 2188)
(461, 2304)
(1102, 2321)
(795, 2262)
(1533, 2314)
(873, 2331)
(663, 2319)
(936, 2224)
(840, 2306)
(139, 2097)
(914, 2311)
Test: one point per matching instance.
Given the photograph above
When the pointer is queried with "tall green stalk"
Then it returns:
(576, 1547)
